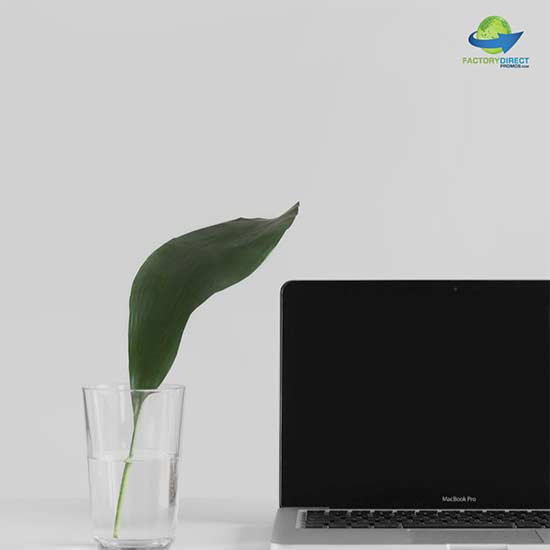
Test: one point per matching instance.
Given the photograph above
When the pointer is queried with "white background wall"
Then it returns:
(123, 124)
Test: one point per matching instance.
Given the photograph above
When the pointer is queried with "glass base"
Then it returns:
(128, 544)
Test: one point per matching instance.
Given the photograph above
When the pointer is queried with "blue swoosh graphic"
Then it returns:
(504, 41)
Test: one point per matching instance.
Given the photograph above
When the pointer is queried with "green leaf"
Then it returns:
(180, 275)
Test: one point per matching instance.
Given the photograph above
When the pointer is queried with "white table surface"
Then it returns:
(203, 524)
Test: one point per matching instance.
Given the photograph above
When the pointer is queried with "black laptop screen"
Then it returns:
(423, 394)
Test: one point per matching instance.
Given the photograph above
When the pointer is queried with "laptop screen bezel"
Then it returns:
(284, 500)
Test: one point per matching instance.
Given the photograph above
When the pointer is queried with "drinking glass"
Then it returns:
(133, 439)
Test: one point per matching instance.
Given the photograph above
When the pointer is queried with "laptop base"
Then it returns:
(287, 534)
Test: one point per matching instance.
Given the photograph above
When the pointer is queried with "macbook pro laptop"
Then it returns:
(414, 412)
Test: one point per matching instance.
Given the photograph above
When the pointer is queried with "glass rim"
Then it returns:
(117, 388)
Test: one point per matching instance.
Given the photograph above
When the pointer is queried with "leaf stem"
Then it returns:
(127, 464)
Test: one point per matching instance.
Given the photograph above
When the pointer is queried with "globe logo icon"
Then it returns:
(491, 27)
(494, 35)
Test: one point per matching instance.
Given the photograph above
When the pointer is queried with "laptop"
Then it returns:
(414, 412)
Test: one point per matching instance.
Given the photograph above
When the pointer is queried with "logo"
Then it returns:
(494, 36)
(458, 499)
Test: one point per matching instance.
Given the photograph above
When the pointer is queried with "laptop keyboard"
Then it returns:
(426, 519)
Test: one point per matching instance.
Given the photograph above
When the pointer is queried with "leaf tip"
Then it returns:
(292, 211)
(287, 218)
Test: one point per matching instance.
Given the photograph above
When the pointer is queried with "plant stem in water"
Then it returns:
(127, 464)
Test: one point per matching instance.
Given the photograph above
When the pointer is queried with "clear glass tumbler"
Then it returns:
(133, 441)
